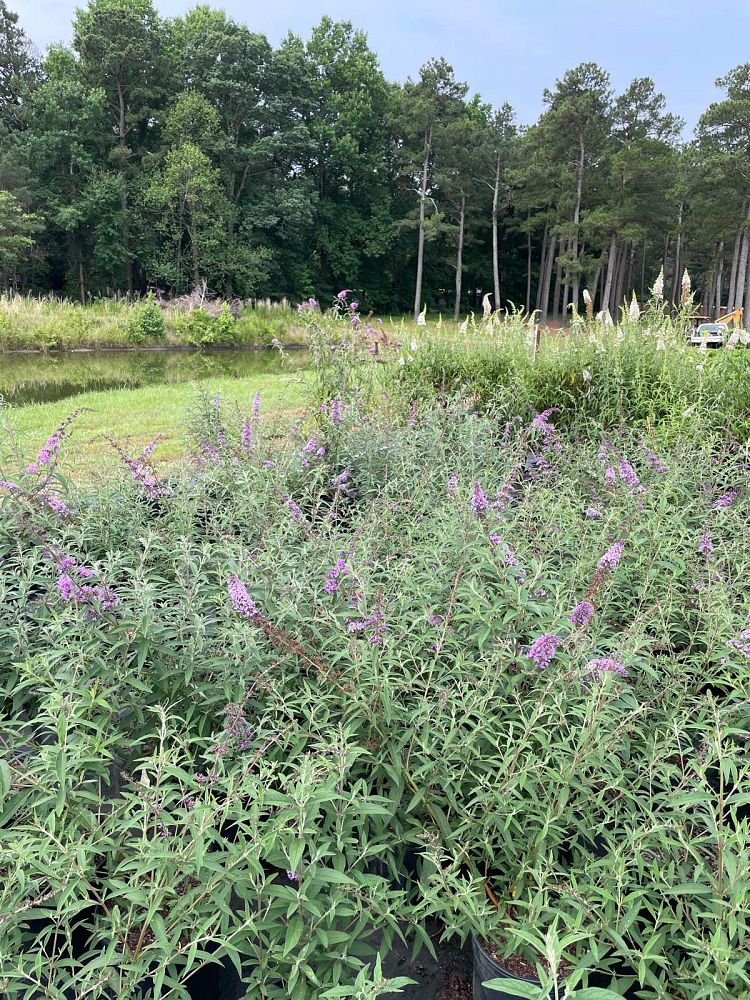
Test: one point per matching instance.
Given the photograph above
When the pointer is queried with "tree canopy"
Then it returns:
(160, 152)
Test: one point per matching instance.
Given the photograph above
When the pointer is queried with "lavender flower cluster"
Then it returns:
(335, 574)
(582, 614)
(541, 424)
(49, 451)
(599, 668)
(240, 599)
(93, 597)
(374, 625)
(742, 645)
(543, 649)
(611, 558)
(141, 471)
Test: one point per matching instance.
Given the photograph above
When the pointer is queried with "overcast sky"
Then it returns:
(507, 50)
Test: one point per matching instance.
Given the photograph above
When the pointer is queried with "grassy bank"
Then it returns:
(56, 324)
(134, 417)
(51, 324)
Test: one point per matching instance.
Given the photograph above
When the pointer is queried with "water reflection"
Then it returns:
(36, 378)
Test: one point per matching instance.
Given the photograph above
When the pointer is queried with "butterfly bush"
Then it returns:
(49, 452)
(240, 599)
(599, 668)
(543, 649)
(611, 558)
(582, 613)
(513, 692)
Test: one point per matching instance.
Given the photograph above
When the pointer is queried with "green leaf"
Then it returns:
(516, 988)
(594, 993)
(4, 778)
(293, 934)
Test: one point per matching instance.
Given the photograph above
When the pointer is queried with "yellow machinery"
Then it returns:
(735, 318)
(716, 333)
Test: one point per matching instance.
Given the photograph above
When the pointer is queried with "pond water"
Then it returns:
(40, 378)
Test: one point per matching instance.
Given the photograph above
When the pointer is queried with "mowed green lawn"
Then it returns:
(134, 417)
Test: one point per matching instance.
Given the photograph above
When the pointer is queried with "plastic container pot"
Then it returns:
(486, 968)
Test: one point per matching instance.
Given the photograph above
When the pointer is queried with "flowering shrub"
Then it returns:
(642, 373)
(318, 689)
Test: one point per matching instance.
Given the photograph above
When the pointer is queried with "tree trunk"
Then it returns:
(622, 265)
(629, 283)
(718, 288)
(81, 280)
(558, 282)
(739, 293)
(495, 252)
(643, 270)
(528, 264)
(576, 223)
(549, 264)
(747, 297)
(125, 228)
(542, 268)
(676, 281)
(460, 259)
(595, 285)
(735, 261)
(194, 249)
(707, 295)
(611, 261)
(575, 286)
(422, 202)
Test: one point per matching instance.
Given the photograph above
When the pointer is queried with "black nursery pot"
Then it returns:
(216, 982)
(212, 981)
(485, 968)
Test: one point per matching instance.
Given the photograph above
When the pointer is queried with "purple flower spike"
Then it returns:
(630, 477)
(582, 613)
(479, 502)
(611, 558)
(452, 484)
(726, 499)
(599, 668)
(706, 545)
(742, 645)
(541, 424)
(593, 513)
(333, 577)
(656, 463)
(247, 434)
(241, 600)
(295, 511)
(48, 452)
(542, 650)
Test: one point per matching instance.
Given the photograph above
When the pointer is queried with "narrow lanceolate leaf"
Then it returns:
(516, 988)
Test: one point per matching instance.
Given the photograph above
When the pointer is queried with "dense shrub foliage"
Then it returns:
(468, 668)
(639, 373)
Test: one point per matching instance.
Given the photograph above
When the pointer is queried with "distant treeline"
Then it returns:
(163, 152)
